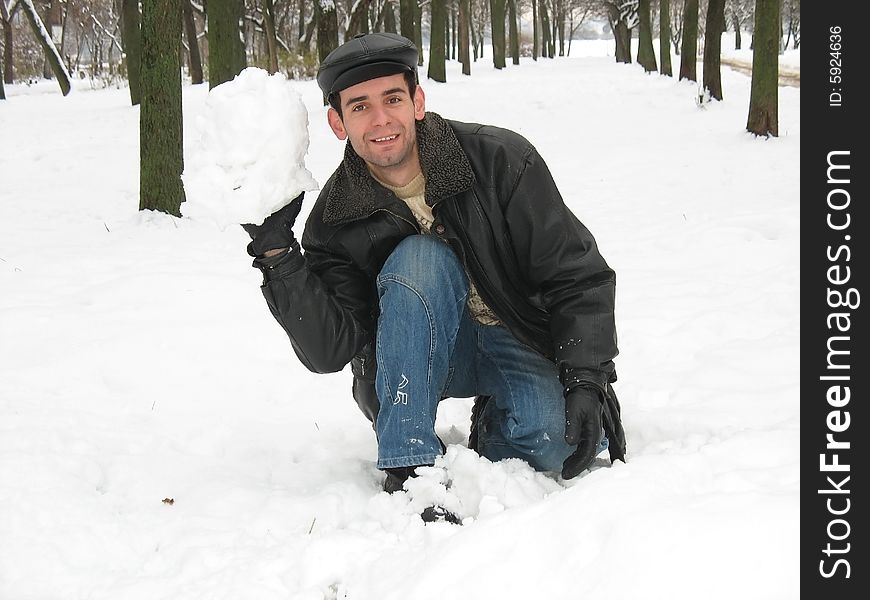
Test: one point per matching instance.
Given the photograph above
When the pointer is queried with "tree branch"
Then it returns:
(107, 34)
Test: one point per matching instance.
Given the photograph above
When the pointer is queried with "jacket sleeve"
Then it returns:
(321, 300)
(562, 263)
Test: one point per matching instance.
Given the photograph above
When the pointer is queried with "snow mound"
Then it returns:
(468, 485)
(246, 156)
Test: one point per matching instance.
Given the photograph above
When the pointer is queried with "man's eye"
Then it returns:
(394, 100)
(358, 107)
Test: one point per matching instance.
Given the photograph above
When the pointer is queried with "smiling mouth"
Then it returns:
(388, 138)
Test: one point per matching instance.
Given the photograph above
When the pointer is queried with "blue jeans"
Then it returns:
(429, 347)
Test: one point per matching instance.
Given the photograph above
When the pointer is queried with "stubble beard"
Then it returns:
(395, 159)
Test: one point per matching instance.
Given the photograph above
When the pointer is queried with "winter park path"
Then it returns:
(788, 76)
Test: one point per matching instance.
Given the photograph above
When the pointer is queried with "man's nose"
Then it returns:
(380, 115)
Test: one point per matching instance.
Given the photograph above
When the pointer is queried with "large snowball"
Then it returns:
(246, 157)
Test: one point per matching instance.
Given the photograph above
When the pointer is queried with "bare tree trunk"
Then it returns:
(63, 38)
(476, 27)
(302, 20)
(513, 34)
(406, 19)
(736, 24)
(764, 93)
(496, 12)
(388, 17)
(689, 51)
(464, 22)
(437, 43)
(713, 47)
(51, 20)
(665, 37)
(195, 58)
(454, 40)
(535, 48)
(545, 29)
(358, 21)
(646, 56)
(271, 35)
(8, 67)
(327, 29)
(226, 51)
(305, 41)
(160, 116)
(418, 32)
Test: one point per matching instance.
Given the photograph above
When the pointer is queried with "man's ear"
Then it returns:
(335, 124)
(419, 103)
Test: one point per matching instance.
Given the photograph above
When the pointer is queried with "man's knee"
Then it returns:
(425, 264)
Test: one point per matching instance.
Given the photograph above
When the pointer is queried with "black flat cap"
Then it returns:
(365, 57)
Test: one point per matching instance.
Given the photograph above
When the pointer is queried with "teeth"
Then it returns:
(384, 139)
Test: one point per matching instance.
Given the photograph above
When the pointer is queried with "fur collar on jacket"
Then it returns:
(355, 193)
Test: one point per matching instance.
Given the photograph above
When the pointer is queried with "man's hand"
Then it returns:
(583, 408)
(276, 232)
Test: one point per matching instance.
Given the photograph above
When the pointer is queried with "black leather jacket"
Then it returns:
(496, 204)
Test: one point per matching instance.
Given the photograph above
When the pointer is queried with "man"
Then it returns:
(441, 261)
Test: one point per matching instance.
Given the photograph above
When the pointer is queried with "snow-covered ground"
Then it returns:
(139, 364)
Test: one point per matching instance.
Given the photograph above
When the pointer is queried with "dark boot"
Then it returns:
(396, 478)
(433, 514)
(395, 481)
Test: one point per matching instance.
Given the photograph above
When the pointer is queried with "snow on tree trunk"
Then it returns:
(689, 50)
(764, 92)
(48, 47)
(618, 15)
(226, 52)
(161, 160)
(358, 20)
(713, 48)
(437, 42)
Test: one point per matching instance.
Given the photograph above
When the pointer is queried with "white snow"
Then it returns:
(139, 362)
(246, 157)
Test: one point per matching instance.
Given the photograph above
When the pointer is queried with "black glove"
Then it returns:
(583, 410)
(276, 231)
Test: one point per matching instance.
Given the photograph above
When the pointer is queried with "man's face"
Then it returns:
(378, 116)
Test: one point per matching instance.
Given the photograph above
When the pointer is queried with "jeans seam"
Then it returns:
(498, 368)
(409, 285)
